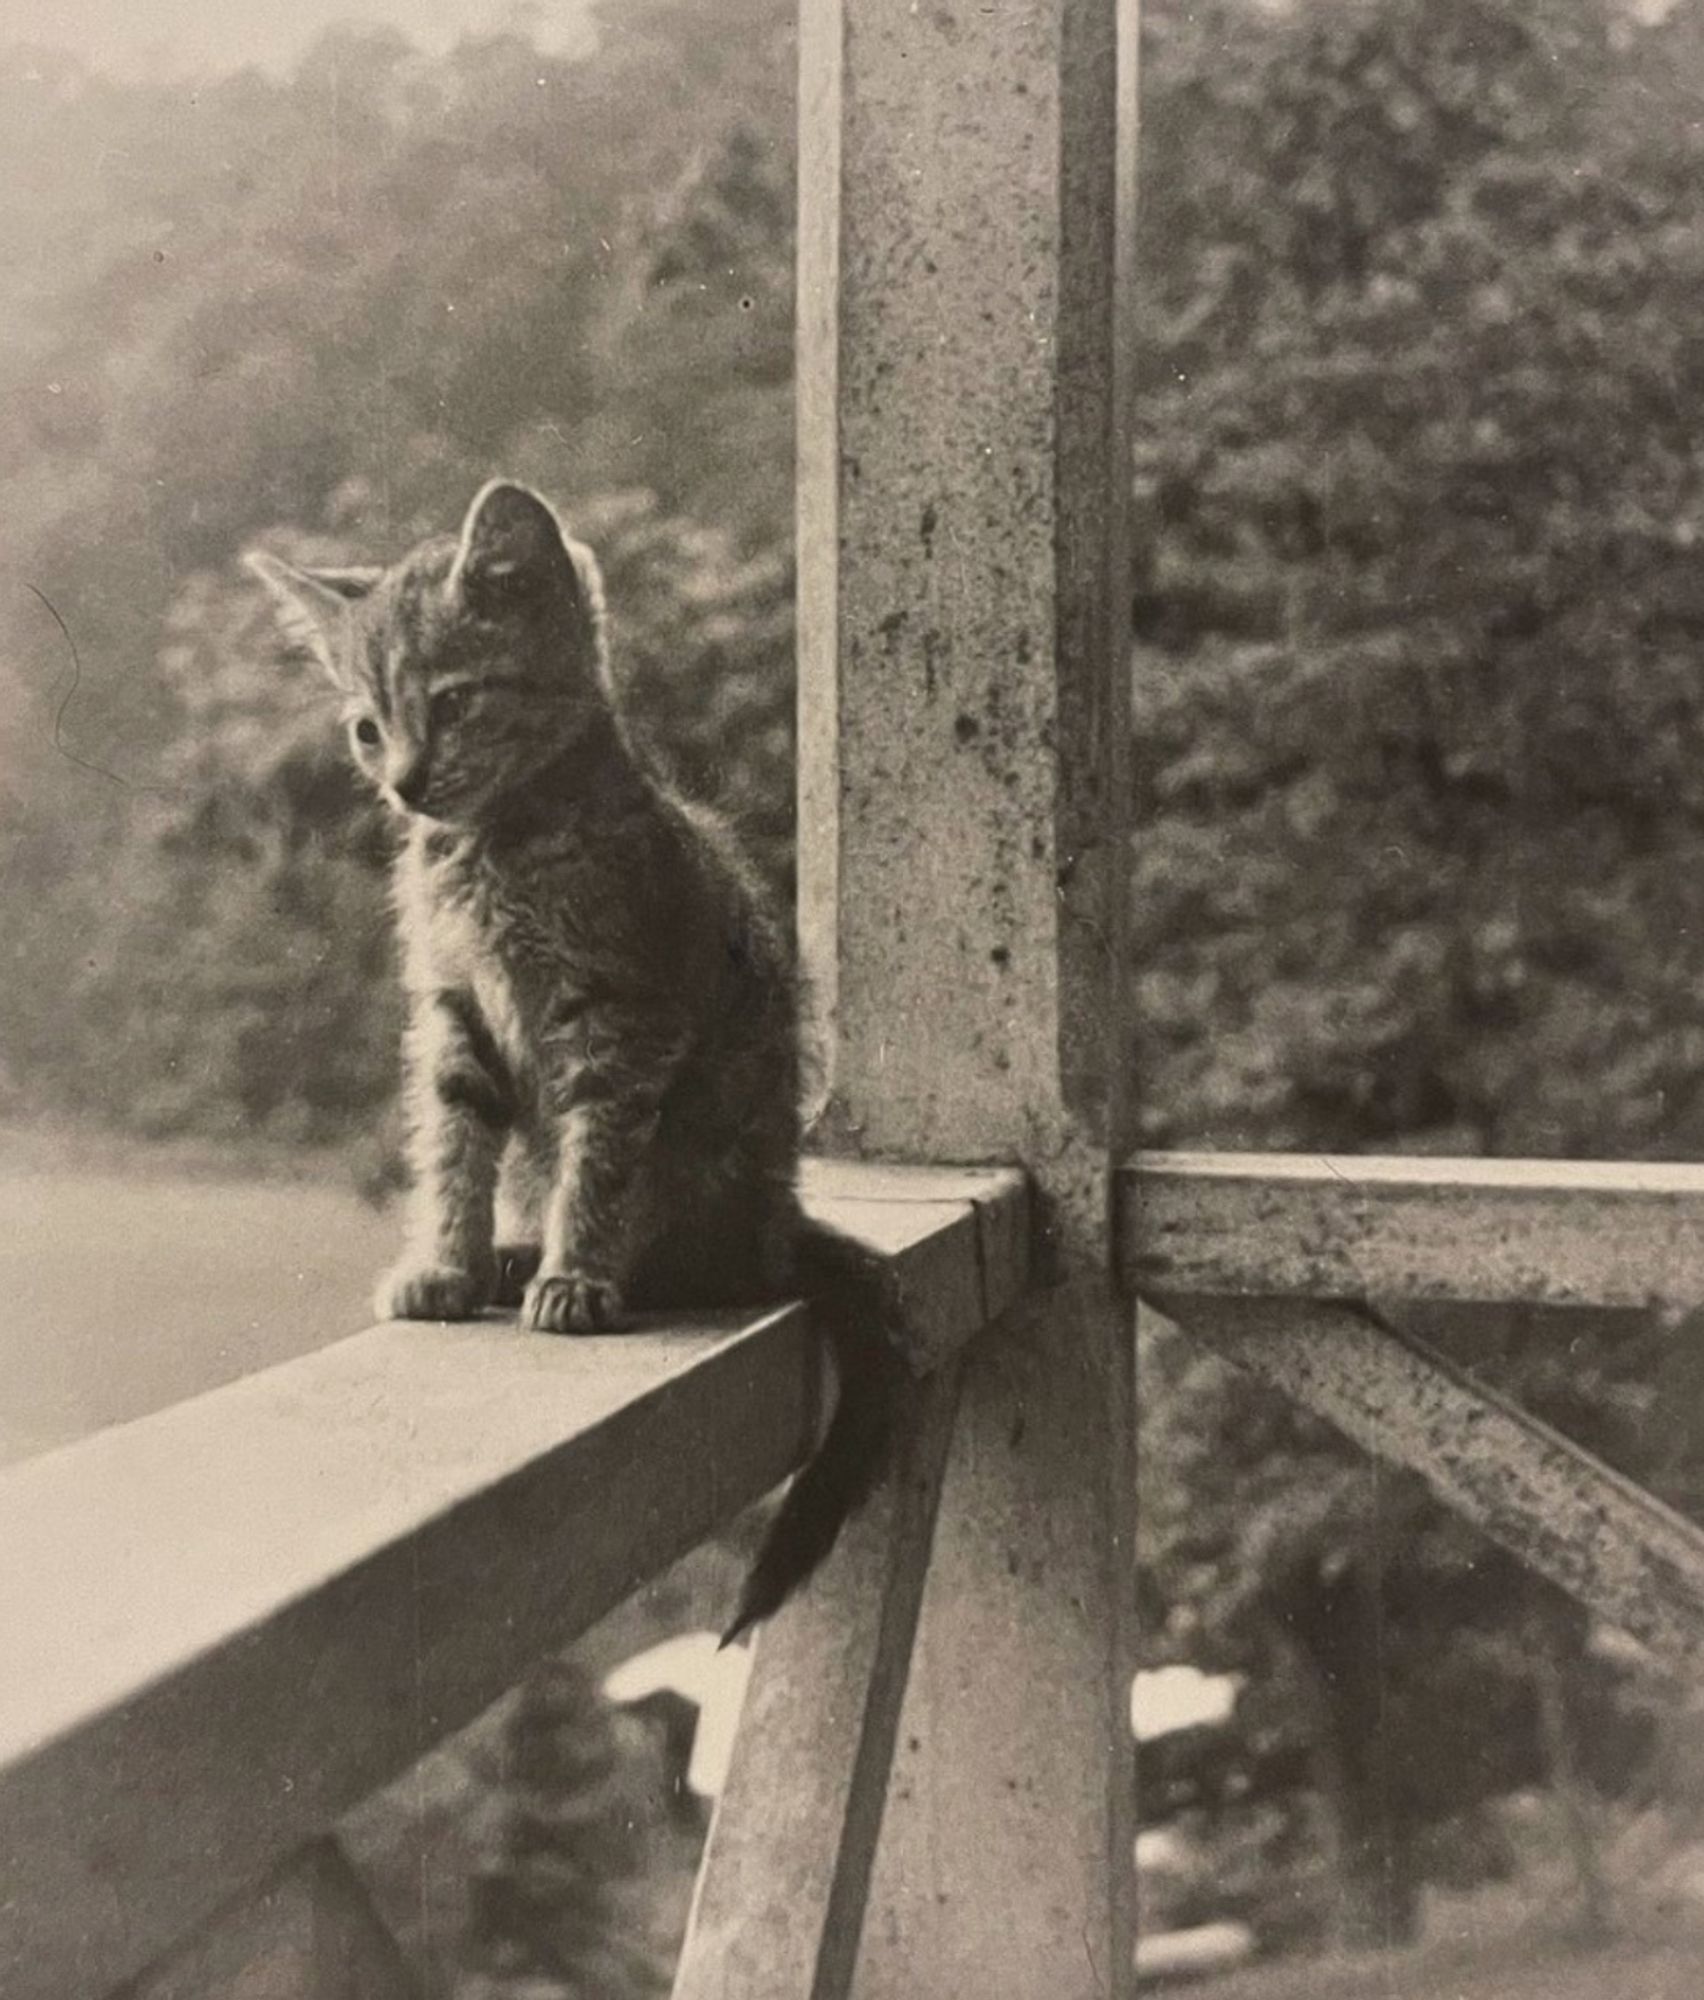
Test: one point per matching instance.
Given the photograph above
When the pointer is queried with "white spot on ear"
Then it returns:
(509, 533)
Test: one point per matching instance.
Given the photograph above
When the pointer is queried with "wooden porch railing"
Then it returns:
(225, 1624)
(222, 1624)
(1289, 1266)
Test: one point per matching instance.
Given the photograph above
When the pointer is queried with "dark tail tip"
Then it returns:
(857, 1307)
(808, 1523)
(745, 1617)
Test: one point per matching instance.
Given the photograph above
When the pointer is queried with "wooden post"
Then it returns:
(782, 1894)
(965, 185)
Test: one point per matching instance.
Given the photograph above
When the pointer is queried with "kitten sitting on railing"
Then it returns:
(603, 1008)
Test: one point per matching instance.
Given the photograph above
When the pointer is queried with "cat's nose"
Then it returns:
(410, 782)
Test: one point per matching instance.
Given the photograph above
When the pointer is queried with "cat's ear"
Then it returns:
(510, 541)
(589, 588)
(313, 604)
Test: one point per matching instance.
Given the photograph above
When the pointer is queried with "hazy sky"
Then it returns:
(174, 35)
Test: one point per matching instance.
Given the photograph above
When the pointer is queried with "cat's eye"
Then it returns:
(450, 705)
(367, 732)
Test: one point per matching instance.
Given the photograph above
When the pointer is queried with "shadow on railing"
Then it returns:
(228, 1622)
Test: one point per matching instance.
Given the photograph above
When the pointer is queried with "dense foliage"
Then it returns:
(323, 311)
(1418, 863)
(1421, 497)
(1419, 490)
(1422, 801)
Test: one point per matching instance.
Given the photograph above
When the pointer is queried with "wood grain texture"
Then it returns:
(1356, 1227)
(780, 1904)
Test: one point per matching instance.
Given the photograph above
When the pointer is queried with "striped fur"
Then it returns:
(602, 1053)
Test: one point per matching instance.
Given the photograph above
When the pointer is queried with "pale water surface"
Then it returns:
(122, 1292)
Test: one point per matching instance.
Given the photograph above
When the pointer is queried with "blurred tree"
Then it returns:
(1417, 861)
(546, 1919)
(1419, 842)
(1421, 809)
(341, 301)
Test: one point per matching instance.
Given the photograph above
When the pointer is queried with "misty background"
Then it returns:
(1420, 847)
(178, 40)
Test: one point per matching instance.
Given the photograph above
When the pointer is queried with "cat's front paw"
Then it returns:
(571, 1302)
(430, 1291)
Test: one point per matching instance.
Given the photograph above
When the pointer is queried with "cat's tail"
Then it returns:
(855, 1300)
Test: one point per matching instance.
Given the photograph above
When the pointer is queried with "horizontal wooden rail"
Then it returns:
(226, 1622)
(1279, 1261)
(1358, 1227)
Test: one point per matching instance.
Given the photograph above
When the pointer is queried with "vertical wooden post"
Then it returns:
(965, 186)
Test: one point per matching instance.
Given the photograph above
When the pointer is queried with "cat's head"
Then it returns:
(466, 666)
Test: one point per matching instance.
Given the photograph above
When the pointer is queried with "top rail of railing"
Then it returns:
(225, 1623)
(1303, 1270)
(1355, 1226)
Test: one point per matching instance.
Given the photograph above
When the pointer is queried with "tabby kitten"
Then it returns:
(603, 1037)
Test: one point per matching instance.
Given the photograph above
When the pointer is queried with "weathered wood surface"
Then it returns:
(226, 1622)
(965, 184)
(1356, 1227)
(780, 1903)
(1599, 1536)
(957, 1238)
(964, 474)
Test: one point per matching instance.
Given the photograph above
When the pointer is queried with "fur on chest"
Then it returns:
(534, 913)
(567, 923)
(519, 943)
